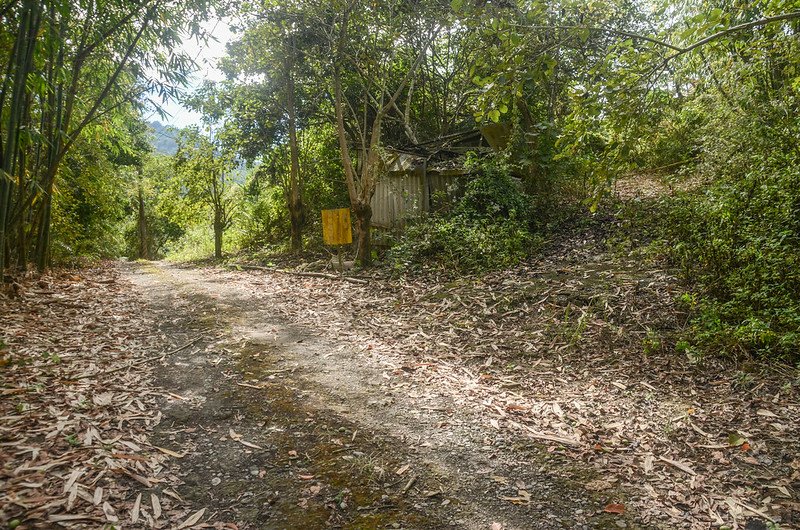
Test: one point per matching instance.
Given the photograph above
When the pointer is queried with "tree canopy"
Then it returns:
(323, 101)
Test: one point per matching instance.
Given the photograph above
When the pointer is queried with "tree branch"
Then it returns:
(411, 72)
(678, 49)
(747, 25)
(612, 31)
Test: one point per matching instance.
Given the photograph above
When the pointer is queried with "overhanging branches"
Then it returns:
(678, 50)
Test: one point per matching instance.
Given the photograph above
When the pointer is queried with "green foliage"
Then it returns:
(740, 244)
(205, 182)
(492, 194)
(196, 244)
(487, 228)
(265, 219)
(725, 115)
(652, 343)
(463, 245)
(738, 241)
(88, 207)
(153, 184)
(74, 72)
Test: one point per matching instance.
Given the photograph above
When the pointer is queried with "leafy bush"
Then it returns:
(487, 228)
(493, 194)
(740, 245)
(463, 245)
(739, 241)
(88, 208)
(197, 244)
(264, 218)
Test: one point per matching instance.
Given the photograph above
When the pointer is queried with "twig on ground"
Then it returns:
(408, 485)
(136, 363)
(350, 279)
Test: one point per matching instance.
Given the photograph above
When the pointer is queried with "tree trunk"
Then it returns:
(363, 215)
(22, 247)
(295, 199)
(20, 66)
(361, 186)
(142, 228)
(218, 227)
(22, 252)
(46, 209)
(43, 239)
(296, 219)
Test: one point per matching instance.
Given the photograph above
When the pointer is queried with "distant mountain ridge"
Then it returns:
(163, 138)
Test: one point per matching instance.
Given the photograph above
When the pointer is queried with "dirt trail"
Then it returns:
(285, 428)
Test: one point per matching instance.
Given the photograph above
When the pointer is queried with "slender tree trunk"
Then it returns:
(295, 200)
(218, 228)
(144, 252)
(21, 65)
(371, 172)
(43, 240)
(361, 208)
(22, 253)
(43, 236)
(22, 248)
(363, 215)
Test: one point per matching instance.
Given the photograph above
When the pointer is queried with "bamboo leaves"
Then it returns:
(69, 68)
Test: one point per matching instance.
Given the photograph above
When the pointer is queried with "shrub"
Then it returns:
(264, 218)
(738, 241)
(493, 194)
(487, 229)
(88, 208)
(739, 244)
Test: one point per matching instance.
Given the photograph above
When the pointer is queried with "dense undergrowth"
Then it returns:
(738, 244)
(486, 228)
(736, 239)
(735, 245)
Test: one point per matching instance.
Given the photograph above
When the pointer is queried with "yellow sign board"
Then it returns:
(336, 228)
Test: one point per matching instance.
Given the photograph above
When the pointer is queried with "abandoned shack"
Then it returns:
(421, 177)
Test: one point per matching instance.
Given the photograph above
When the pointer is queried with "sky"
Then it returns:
(207, 56)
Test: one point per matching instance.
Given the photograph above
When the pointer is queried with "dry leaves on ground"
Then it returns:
(567, 350)
(76, 408)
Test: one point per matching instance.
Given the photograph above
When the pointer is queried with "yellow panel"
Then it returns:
(336, 228)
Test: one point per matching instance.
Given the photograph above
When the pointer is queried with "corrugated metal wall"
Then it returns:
(403, 196)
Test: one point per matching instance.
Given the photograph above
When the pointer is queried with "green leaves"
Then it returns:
(735, 440)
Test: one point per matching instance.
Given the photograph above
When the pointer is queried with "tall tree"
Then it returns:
(375, 58)
(269, 63)
(205, 175)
